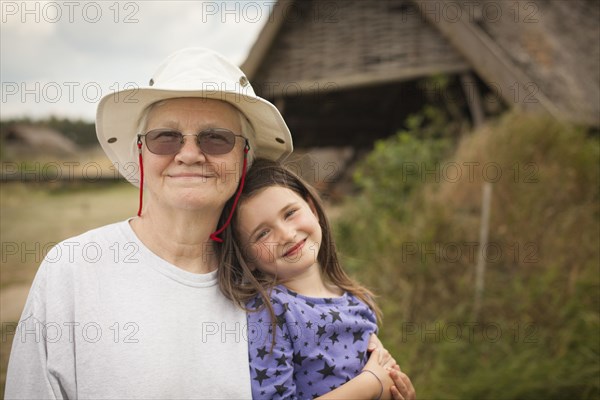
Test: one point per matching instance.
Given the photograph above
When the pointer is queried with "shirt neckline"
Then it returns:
(166, 268)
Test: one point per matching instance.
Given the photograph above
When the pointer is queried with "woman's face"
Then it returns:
(190, 179)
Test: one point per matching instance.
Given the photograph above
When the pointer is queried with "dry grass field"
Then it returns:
(35, 216)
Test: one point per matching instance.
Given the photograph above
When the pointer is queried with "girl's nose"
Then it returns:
(288, 233)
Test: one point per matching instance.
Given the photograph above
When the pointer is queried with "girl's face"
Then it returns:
(280, 233)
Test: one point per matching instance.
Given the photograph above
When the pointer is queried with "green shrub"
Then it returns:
(414, 240)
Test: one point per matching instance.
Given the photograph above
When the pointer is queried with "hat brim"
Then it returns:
(118, 115)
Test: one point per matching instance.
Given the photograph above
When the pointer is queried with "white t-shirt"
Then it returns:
(108, 319)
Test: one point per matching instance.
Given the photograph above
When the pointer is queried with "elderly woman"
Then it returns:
(133, 309)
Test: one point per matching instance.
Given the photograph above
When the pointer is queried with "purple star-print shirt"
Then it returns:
(320, 344)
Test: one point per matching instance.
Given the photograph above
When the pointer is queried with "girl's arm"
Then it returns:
(374, 382)
(271, 367)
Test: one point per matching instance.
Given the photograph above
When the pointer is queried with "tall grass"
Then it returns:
(412, 235)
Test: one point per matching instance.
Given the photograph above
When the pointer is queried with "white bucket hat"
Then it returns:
(191, 72)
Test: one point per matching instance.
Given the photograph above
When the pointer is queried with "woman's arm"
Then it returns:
(395, 383)
(374, 382)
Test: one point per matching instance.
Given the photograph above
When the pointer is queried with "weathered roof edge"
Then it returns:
(466, 37)
(490, 61)
(265, 38)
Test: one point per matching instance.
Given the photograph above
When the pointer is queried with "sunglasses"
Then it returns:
(212, 141)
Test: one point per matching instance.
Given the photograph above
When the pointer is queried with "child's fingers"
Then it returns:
(403, 384)
(374, 343)
(396, 394)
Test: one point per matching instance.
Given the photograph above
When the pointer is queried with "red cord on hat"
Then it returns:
(139, 145)
(213, 235)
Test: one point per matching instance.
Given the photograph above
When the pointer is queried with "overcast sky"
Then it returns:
(60, 57)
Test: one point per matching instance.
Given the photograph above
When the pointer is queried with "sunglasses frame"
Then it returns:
(197, 135)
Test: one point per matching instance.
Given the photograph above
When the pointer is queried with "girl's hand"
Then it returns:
(403, 388)
(381, 364)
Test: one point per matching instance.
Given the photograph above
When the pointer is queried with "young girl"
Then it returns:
(308, 323)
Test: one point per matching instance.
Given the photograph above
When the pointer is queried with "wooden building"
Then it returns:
(345, 72)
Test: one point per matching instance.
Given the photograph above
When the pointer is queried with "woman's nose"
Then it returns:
(190, 152)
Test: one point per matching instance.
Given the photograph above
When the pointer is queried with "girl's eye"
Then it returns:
(290, 213)
(261, 234)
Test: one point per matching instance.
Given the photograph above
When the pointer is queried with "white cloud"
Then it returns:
(77, 47)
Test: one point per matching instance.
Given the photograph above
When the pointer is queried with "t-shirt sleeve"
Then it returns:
(28, 376)
(271, 367)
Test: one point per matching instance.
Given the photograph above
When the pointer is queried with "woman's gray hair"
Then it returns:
(247, 130)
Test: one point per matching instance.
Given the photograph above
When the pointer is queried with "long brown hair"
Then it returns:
(239, 282)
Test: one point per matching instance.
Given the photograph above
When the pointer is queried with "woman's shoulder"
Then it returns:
(91, 247)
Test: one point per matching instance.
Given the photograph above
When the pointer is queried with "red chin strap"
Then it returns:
(139, 145)
(214, 235)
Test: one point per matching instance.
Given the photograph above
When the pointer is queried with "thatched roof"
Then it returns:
(32, 139)
(539, 55)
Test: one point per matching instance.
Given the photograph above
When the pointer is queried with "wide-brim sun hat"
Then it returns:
(190, 72)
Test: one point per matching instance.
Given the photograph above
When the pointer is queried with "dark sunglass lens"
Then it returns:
(216, 141)
(163, 142)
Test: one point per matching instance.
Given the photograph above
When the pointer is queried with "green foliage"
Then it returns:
(414, 239)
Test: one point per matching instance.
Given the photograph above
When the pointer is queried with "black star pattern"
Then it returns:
(281, 319)
(261, 375)
(351, 303)
(321, 330)
(334, 338)
(323, 316)
(360, 355)
(335, 315)
(281, 360)
(320, 356)
(310, 304)
(258, 301)
(280, 389)
(277, 372)
(358, 335)
(348, 329)
(327, 370)
(309, 324)
(332, 387)
(328, 301)
(294, 294)
(298, 358)
(262, 352)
